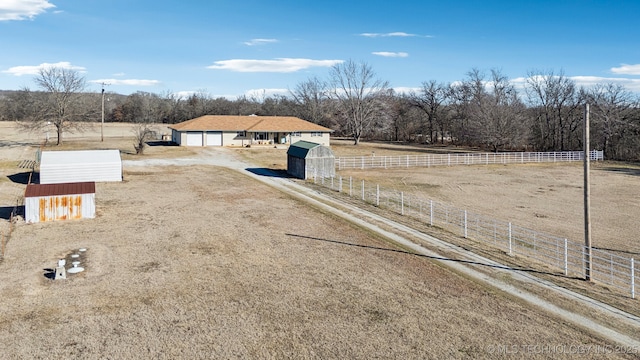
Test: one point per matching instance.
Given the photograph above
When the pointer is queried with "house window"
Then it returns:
(297, 133)
(242, 133)
(260, 136)
(316, 133)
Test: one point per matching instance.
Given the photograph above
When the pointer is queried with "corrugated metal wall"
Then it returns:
(80, 166)
(60, 207)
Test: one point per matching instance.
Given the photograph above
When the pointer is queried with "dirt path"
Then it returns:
(473, 266)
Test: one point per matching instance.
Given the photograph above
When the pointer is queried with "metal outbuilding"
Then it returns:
(80, 166)
(50, 202)
(305, 158)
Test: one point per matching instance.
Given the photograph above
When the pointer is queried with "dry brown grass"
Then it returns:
(203, 262)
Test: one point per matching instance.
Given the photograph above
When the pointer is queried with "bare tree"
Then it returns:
(313, 100)
(490, 113)
(21, 105)
(615, 119)
(431, 100)
(143, 133)
(64, 88)
(555, 106)
(359, 94)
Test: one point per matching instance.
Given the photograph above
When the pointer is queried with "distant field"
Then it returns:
(543, 197)
(200, 262)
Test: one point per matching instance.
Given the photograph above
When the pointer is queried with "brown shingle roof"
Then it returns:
(248, 123)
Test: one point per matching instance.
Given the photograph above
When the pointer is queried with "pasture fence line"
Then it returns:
(5, 237)
(559, 253)
(429, 160)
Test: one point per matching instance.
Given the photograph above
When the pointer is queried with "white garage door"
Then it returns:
(194, 138)
(214, 138)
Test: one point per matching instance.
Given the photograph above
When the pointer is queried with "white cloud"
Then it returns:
(126, 82)
(393, 34)
(254, 42)
(261, 94)
(22, 9)
(632, 85)
(280, 65)
(182, 95)
(627, 69)
(390, 54)
(35, 70)
(406, 90)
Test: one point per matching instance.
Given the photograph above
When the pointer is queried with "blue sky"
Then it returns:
(232, 48)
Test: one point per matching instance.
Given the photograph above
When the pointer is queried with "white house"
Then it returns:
(230, 130)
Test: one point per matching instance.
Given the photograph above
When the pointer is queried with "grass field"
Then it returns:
(205, 262)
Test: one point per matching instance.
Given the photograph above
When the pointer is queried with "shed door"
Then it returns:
(194, 138)
(214, 138)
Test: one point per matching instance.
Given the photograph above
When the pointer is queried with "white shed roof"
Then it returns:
(80, 166)
(80, 157)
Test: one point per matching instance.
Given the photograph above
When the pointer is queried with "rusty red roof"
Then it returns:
(37, 190)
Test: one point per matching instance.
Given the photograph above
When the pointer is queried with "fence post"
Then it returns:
(401, 203)
(633, 279)
(566, 258)
(430, 212)
(611, 267)
(495, 232)
(378, 195)
(350, 186)
(510, 248)
(340, 184)
(465, 224)
(362, 190)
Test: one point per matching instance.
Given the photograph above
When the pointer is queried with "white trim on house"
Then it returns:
(226, 130)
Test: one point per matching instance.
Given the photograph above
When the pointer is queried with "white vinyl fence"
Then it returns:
(568, 257)
(428, 160)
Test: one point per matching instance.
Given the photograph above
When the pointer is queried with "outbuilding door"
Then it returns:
(194, 138)
(214, 138)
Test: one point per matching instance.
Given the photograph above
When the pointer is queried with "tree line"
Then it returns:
(485, 109)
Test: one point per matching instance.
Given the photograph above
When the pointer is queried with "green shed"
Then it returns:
(307, 159)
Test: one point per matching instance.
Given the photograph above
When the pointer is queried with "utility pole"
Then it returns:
(102, 126)
(587, 199)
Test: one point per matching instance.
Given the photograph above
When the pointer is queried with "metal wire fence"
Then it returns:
(568, 257)
(428, 160)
